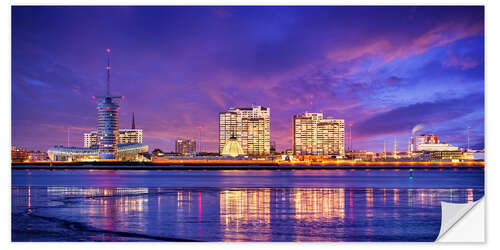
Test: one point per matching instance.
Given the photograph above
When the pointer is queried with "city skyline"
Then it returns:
(384, 81)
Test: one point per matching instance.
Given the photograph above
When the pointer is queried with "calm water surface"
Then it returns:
(254, 205)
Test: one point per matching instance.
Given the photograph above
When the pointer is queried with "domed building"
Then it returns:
(232, 148)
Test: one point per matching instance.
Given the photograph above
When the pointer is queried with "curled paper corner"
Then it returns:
(462, 222)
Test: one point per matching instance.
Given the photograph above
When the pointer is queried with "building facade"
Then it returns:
(130, 136)
(124, 136)
(430, 142)
(315, 135)
(18, 154)
(125, 152)
(250, 127)
(361, 155)
(437, 147)
(183, 146)
(37, 156)
(446, 155)
(425, 139)
(107, 128)
(90, 139)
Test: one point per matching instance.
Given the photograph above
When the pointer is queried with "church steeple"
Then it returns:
(133, 121)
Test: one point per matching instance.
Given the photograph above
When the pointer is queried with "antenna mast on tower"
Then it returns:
(107, 116)
(108, 69)
(108, 84)
(468, 138)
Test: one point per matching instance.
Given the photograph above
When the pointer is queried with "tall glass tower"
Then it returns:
(107, 121)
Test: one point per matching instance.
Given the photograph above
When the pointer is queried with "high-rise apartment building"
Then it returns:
(250, 127)
(315, 135)
(183, 146)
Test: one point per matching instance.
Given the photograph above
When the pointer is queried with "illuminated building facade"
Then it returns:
(37, 156)
(132, 135)
(431, 142)
(107, 121)
(253, 136)
(425, 139)
(362, 155)
(124, 136)
(90, 139)
(315, 135)
(107, 128)
(446, 155)
(183, 146)
(250, 127)
(437, 147)
(18, 154)
(125, 152)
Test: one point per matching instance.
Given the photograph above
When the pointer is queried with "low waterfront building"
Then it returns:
(361, 155)
(37, 156)
(445, 155)
(437, 147)
(125, 152)
(18, 154)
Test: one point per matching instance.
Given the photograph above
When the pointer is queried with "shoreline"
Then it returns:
(241, 165)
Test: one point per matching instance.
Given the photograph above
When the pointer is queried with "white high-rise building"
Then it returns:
(250, 127)
(315, 135)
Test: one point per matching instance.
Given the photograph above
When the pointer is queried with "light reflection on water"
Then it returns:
(299, 205)
(252, 214)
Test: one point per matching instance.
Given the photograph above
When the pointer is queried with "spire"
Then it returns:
(108, 96)
(133, 121)
(108, 69)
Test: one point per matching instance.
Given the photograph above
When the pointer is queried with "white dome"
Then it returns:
(232, 148)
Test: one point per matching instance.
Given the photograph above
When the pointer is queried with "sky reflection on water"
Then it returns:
(224, 213)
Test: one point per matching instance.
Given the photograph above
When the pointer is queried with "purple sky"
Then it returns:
(386, 69)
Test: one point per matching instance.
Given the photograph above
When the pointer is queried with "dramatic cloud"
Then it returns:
(403, 119)
(383, 68)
